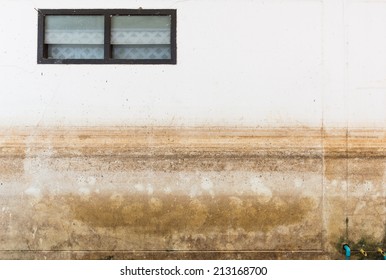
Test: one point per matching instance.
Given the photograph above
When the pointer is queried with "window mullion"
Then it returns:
(107, 43)
(173, 35)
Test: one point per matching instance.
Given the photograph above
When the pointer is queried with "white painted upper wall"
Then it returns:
(239, 62)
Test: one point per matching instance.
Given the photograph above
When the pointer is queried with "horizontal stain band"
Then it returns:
(192, 142)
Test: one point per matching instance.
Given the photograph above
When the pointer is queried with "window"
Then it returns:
(107, 36)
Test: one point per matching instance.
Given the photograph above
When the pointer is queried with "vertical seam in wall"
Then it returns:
(324, 226)
(346, 93)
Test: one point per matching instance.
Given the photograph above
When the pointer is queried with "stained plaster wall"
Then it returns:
(268, 134)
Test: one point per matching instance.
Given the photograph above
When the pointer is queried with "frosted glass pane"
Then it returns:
(141, 37)
(125, 22)
(74, 30)
(74, 37)
(141, 52)
(140, 30)
(76, 51)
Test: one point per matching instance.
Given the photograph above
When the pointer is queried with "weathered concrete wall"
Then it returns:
(266, 140)
(196, 192)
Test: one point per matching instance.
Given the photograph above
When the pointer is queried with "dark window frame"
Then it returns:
(107, 13)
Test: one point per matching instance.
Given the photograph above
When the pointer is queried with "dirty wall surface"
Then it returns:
(265, 140)
(190, 192)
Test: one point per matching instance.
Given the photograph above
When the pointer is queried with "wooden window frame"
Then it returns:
(108, 14)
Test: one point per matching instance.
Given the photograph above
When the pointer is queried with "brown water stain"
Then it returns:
(168, 214)
(11, 167)
(211, 148)
(161, 141)
(356, 155)
(356, 170)
(194, 141)
(346, 161)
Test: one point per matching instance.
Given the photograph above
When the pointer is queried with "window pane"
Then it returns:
(74, 37)
(141, 37)
(63, 51)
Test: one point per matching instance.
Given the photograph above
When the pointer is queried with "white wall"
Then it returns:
(240, 62)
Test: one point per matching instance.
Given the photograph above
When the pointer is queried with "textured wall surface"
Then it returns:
(265, 140)
(190, 192)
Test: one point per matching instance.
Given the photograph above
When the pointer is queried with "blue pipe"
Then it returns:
(347, 250)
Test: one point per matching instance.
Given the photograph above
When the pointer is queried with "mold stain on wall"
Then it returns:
(239, 193)
(168, 214)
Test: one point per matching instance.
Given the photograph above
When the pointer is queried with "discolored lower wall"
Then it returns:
(167, 193)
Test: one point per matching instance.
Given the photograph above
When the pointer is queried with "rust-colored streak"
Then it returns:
(192, 142)
(354, 143)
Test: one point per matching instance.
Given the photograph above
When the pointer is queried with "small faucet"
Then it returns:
(382, 252)
(363, 252)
